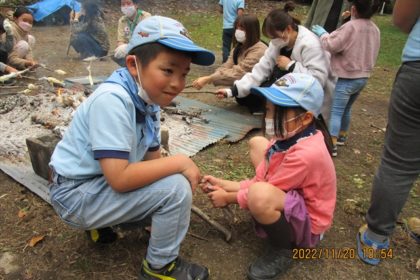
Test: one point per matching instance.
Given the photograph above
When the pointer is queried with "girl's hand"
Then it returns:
(346, 14)
(201, 82)
(282, 61)
(218, 197)
(208, 183)
(221, 93)
(10, 69)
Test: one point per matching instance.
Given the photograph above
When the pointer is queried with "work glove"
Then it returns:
(120, 51)
(7, 27)
(318, 30)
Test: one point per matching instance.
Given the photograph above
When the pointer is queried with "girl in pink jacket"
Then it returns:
(292, 196)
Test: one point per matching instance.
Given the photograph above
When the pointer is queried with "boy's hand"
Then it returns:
(218, 197)
(191, 172)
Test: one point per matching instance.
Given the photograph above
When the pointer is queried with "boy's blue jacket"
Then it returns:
(144, 113)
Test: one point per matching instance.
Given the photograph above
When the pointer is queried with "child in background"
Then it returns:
(293, 48)
(247, 52)
(354, 48)
(330, 14)
(6, 46)
(126, 24)
(89, 36)
(230, 10)
(107, 169)
(21, 55)
(292, 196)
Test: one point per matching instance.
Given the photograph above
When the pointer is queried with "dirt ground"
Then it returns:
(65, 253)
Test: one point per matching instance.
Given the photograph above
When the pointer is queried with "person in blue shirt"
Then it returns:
(230, 10)
(108, 170)
(400, 161)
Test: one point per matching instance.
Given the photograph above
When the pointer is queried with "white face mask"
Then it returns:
(278, 42)
(141, 92)
(129, 11)
(289, 134)
(269, 128)
(240, 35)
(25, 26)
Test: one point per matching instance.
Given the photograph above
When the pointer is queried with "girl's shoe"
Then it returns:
(334, 152)
(370, 251)
(271, 264)
(341, 140)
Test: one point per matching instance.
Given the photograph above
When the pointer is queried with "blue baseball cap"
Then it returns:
(171, 34)
(295, 90)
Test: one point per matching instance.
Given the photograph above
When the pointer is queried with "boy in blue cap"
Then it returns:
(107, 169)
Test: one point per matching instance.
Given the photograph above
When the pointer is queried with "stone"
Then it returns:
(40, 151)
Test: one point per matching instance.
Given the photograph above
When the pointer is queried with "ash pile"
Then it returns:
(32, 107)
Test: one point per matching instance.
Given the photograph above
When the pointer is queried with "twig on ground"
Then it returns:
(377, 127)
(199, 91)
(197, 236)
(227, 233)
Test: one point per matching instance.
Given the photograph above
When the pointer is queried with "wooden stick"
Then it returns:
(227, 233)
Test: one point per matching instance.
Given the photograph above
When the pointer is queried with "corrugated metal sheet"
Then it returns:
(220, 123)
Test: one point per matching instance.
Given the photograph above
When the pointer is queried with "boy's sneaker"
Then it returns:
(341, 140)
(369, 251)
(179, 269)
(334, 151)
(102, 235)
(270, 265)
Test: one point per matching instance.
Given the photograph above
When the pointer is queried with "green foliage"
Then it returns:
(392, 42)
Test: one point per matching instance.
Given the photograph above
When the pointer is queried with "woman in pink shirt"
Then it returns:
(354, 48)
(292, 196)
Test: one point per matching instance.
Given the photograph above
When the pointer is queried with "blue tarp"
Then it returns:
(45, 8)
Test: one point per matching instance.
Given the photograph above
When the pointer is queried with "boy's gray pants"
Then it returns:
(400, 162)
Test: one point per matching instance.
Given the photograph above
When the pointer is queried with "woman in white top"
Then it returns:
(293, 48)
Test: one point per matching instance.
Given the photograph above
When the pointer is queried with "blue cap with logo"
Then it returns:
(295, 90)
(171, 34)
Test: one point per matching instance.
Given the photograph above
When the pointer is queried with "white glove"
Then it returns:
(120, 51)
(7, 27)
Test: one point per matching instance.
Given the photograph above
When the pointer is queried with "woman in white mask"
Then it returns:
(126, 24)
(21, 55)
(293, 49)
(247, 51)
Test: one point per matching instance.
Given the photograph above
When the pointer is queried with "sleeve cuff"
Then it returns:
(100, 154)
(229, 92)
(290, 66)
(154, 149)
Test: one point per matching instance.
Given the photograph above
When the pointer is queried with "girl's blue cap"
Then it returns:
(295, 90)
(170, 33)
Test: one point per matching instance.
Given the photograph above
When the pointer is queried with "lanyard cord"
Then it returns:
(132, 24)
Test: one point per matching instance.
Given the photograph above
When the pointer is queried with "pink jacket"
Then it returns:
(354, 48)
(306, 167)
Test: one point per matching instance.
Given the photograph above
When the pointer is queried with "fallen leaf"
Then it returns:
(356, 151)
(22, 213)
(35, 240)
